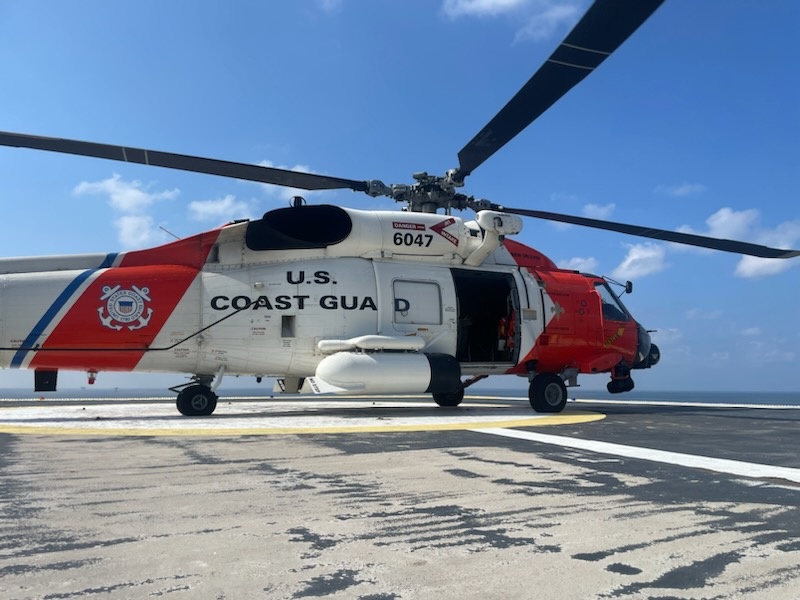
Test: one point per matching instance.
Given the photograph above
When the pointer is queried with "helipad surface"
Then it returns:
(278, 416)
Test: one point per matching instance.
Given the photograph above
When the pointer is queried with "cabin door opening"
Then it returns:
(488, 317)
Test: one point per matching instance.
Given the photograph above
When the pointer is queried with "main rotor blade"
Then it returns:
(689, 239)
(602, 30)
(184, 162)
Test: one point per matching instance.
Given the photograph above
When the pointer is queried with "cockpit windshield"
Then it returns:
(612, 307)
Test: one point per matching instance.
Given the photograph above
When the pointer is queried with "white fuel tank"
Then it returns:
(385, 373)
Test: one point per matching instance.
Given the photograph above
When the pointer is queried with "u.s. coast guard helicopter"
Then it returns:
(331, 299)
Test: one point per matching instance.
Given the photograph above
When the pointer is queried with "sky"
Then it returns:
(692, 125)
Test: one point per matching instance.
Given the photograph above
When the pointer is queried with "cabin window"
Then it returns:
(417, 302)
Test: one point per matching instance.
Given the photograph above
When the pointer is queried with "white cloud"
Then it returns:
(671, 342)
(743, 225)
(593, 211)
(222, 209)
(681, 190)
(545, 22)
(751, 331)
(539, 19)
(578, 263)
(785, 235)
(642, 259)
(124, 196)
(596, 211)
(750, 267)
(726, 223)
(667, 336)
(133, 199)
(479, 8)
(732, 224)
(136, 231)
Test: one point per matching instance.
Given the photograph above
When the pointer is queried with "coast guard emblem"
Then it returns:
(125, 308)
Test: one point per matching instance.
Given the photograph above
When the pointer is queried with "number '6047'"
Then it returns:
(410, 239)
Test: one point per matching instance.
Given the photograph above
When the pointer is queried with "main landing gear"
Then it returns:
(198, 398)
(453, 399)
(547, 393)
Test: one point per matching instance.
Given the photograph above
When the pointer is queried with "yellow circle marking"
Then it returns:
(569, 418)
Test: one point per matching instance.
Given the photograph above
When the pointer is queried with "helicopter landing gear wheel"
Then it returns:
(449, 399)
(547, 393)
(196, 401)
(617, 386)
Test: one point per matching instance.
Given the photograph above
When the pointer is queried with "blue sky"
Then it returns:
(693, 124)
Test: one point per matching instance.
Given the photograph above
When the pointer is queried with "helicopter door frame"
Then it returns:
(417, 300)
(489, 318)
(533, 316)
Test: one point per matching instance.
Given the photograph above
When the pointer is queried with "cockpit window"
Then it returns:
(612, 307)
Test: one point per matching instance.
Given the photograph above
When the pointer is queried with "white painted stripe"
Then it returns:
(719, 465)
(681, 403)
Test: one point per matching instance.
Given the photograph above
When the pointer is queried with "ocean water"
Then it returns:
(520, 391)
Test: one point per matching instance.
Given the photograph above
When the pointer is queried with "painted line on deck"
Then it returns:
(272, 418)
(719, 465)
(689, 404)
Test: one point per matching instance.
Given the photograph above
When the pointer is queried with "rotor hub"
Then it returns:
(430, 193)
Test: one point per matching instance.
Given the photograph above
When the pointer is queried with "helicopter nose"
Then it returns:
(654, 356)
(644, 344)
(647, 353)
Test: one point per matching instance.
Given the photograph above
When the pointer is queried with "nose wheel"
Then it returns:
(621, 380)
(618, 386)
(547, 393)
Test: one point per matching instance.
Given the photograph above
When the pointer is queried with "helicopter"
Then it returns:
(328, 299)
